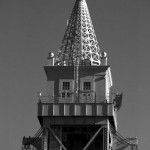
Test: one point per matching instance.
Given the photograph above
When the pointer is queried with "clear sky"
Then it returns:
(29, 29)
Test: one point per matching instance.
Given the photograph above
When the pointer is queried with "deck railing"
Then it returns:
(56, 99)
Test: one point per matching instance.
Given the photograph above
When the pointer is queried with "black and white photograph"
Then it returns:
(74, 74)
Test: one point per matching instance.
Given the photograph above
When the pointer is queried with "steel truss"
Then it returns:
(79, 39)
(51, 131)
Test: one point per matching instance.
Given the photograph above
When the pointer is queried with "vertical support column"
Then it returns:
(45, 139)
(76, 78)
(27, 147)
(134, 147)
(106, 137)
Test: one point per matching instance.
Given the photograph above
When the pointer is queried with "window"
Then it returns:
(63, 94)
(86, 85)
(68, 94)
(66, 86)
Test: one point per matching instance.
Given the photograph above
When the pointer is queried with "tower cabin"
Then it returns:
(78, 104)
(78, 112)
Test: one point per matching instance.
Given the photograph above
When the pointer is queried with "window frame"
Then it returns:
(87, 80)
(66, 85)
(68, 91)
(87, 87)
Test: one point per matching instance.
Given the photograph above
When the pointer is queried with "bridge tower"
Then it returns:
(79, 111)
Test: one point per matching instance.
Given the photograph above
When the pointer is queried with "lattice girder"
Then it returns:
(79, 39)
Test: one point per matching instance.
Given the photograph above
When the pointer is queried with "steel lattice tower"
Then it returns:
(79, 39)
(78, 112)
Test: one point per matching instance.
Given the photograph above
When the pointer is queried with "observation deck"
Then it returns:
(67, 111)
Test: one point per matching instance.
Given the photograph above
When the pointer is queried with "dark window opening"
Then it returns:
(89, 94)
(66, 86)
(87, 86)
(68, 94)
(63, 94)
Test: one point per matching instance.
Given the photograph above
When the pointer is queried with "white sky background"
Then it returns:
(29, 29)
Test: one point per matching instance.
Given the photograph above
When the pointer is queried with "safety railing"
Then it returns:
(56, 99)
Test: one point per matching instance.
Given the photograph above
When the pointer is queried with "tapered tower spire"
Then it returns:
(79, 40)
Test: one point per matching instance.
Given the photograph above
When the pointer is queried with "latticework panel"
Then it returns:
(45, 139)
(79, 40)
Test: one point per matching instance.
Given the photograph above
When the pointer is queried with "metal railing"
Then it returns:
(56, 99)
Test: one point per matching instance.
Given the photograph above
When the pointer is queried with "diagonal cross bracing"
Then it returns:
(92, 139)
(56, 137)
